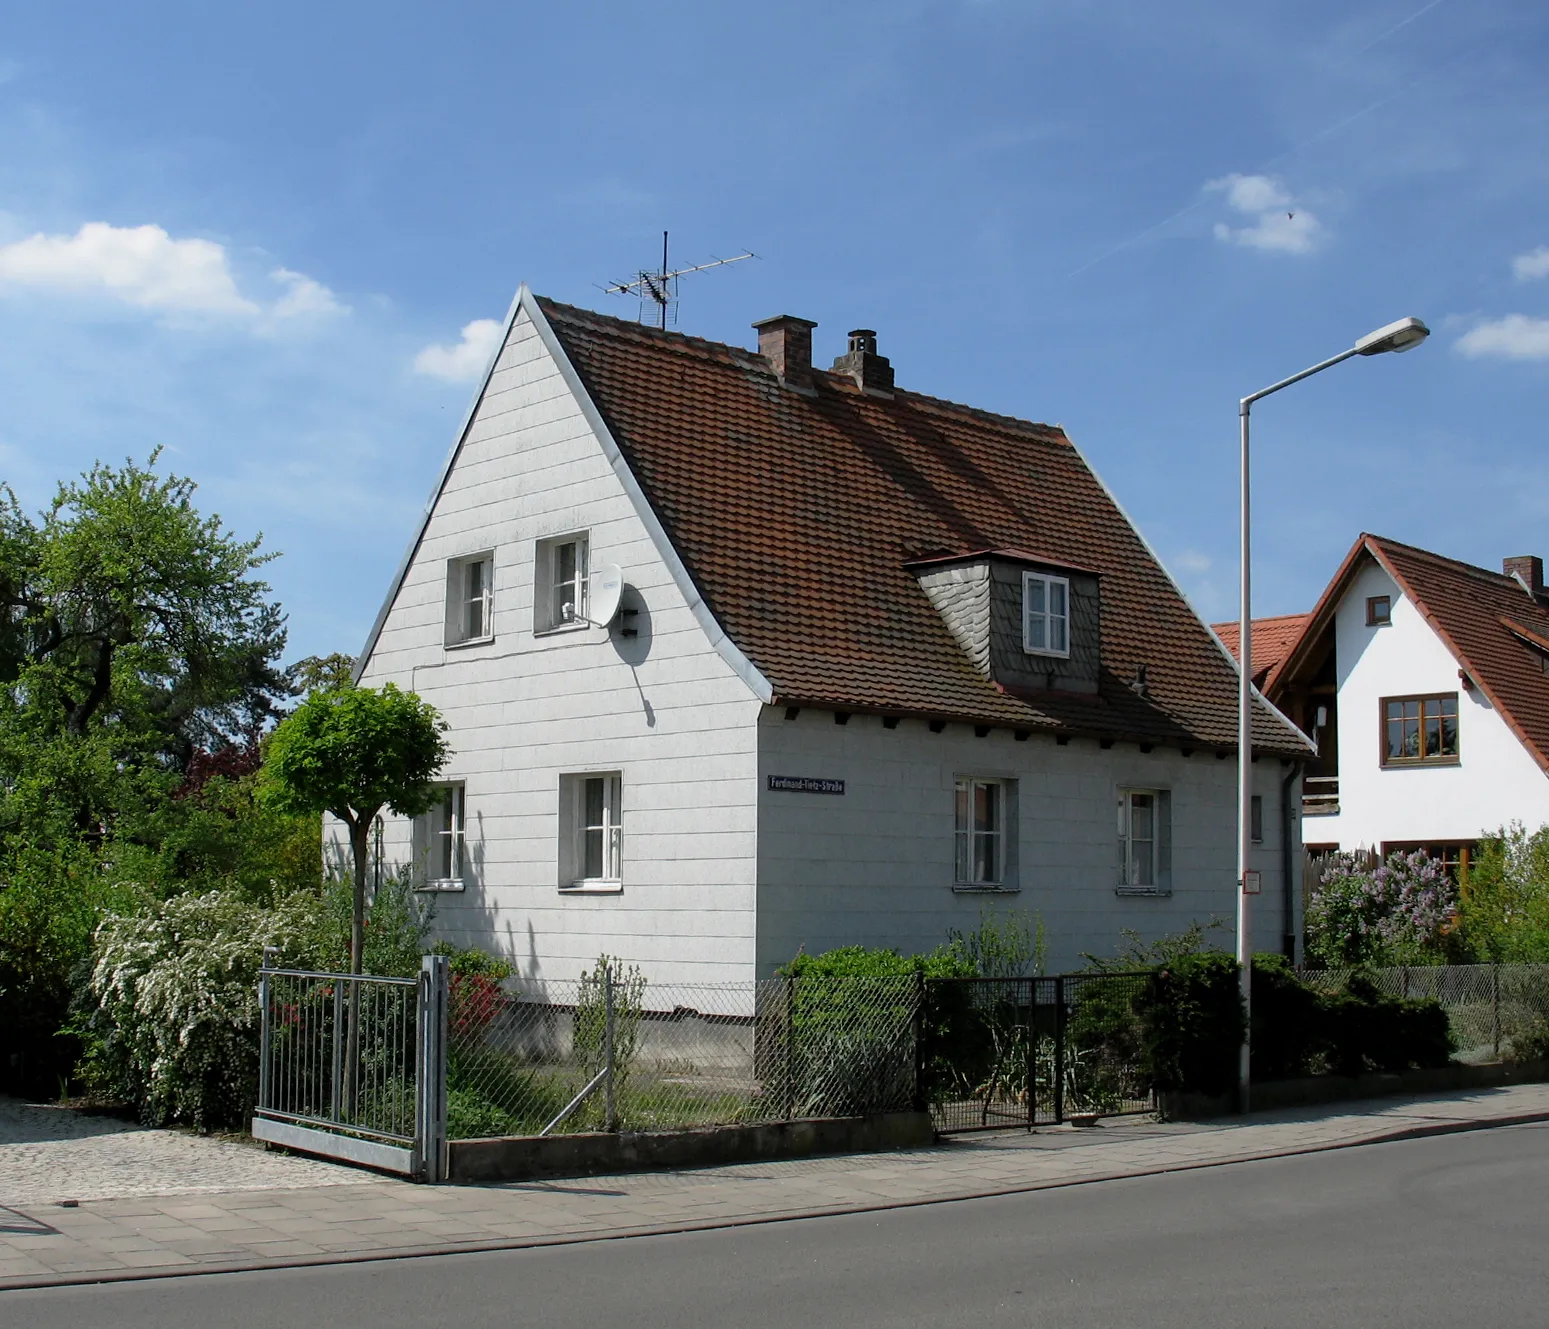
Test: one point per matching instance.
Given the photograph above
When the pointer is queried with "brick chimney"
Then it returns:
(871, 372)
(1529, 570)
(786, 342)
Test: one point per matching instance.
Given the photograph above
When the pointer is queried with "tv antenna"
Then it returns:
(658, 291)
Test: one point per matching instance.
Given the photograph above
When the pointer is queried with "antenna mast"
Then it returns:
(660, 288)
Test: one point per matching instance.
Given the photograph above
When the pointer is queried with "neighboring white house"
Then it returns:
(1426, 684)
(881, 662)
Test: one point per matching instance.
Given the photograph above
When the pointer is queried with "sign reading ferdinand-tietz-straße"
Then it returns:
(805, 784)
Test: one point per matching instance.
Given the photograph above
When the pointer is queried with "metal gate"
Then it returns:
(1007, 1052)
(353, 1066)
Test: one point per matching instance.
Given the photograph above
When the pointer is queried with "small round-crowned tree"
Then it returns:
(352, 751)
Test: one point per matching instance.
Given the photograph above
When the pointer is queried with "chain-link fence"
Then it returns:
(1033, 1051)
(1492, 1010)
(615, 1050)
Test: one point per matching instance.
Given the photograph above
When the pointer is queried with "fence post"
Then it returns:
(1030, 1068)
(430, 1073)
(1059, 1048)
(336, 1063)
(265, 1026)
(790, 1048)
(1495, 1007)
(921, 1069)
(610, 1117)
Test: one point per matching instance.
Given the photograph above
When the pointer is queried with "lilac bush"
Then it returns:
(1398, 912)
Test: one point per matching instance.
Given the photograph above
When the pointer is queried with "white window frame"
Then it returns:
(548, 589)
(444, 840)
(1054, 625)
(1157, 861)
(461, 600)
(968, 838)
(579, 824)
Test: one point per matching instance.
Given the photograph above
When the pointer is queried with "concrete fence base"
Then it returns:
(522, 1158)
(1315, 1089)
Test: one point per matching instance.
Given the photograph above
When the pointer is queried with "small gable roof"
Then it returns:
(1272, 640)
(1496, 629)
(800, 517)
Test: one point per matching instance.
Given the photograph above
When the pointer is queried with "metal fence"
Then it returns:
(616, 1051)
(352, 1065)
(1001, 1052)
(1491, 1009)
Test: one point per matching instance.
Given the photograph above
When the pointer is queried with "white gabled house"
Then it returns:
(880, 661)
(1425, 682)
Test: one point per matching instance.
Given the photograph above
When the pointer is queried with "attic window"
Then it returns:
(1379, 611)
(469, 599)
(559, 599)
(1045, 614)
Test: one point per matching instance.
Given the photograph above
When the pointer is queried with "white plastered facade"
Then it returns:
(1495, 780)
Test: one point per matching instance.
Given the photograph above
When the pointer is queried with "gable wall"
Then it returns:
(664, 708)
(1496, 780)
(874, 865)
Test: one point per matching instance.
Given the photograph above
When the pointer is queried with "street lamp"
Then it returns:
(1404, 335)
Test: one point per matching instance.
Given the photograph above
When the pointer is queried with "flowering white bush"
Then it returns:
(175, 1027)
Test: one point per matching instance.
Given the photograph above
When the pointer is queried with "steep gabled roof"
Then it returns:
(796, 515)
(1487, 620)
(1272, 640)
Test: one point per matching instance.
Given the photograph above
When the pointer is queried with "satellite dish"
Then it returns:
(604, 589)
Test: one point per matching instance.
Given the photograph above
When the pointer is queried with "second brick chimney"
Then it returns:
(1529, 570)
(786, 342)
(871, 372)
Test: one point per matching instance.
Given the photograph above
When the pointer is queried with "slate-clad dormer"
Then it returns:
(1026, 623)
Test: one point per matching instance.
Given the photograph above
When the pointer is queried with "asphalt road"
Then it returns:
(1449, 1231)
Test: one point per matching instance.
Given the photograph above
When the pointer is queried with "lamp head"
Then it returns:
(1404, 335)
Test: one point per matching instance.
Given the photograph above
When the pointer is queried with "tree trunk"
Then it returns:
(359, 831)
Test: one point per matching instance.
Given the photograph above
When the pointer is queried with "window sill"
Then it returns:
(1046, 655)
(1143, 892)
(445, 885)
(986, 890)
(559, 629)
(1421, 763)
(593, 888)
(470, 641)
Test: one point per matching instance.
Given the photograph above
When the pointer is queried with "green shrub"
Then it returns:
(1287, 1018)
(1192, 1025)
(1363, 1029)
(173, 1023)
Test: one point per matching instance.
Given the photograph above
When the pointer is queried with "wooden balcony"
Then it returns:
(1320, 795)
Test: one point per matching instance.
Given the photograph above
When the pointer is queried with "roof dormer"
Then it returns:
(1025, 622)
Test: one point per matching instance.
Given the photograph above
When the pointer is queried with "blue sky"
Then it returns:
(243, 234)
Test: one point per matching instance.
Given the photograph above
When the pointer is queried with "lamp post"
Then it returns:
(1404, 335)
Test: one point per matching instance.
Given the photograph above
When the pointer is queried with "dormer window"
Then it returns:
(1045, 614)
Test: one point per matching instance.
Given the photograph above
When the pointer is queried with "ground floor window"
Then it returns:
(1145, 840)
(592, 829)
(981, 832)
(1454, 855)
(441, 837)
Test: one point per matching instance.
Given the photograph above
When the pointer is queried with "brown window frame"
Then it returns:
(1372, 621)
(1424, 759)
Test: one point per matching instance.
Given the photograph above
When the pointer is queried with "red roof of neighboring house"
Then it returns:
(798, 513)
(1495, 628)
(1272, 641)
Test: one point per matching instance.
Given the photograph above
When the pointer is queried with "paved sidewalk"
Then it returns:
(373, 1218)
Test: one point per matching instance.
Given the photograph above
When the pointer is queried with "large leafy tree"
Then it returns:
(352, 751)
(135, 635)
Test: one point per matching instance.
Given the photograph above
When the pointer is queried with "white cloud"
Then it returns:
(140, 265)
(1279, 224)
(1514, 337)
(465, 361)
(1531, 265)
(305, 297)
(1192, 561)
